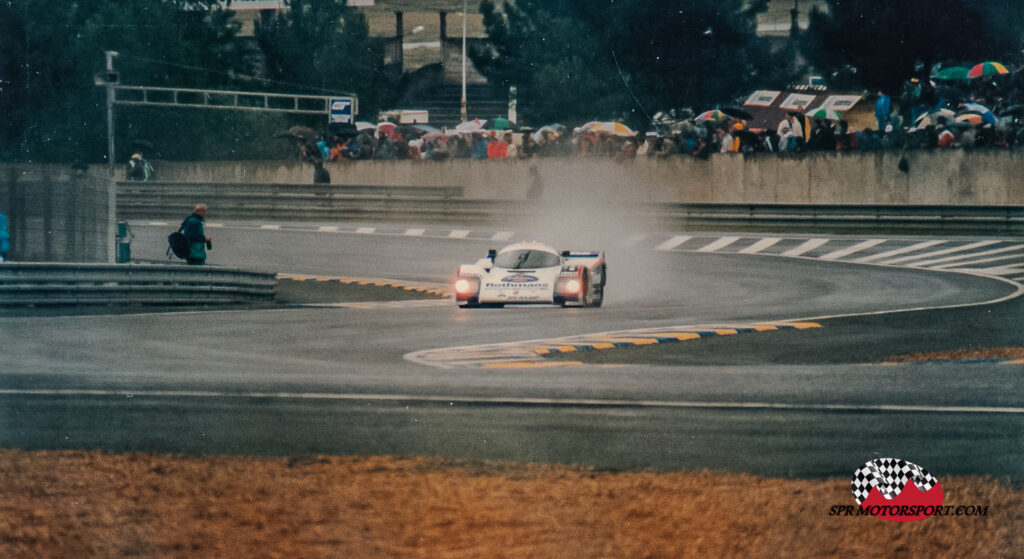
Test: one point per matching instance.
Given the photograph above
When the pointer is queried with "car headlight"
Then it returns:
(573, 286)
(463, 286)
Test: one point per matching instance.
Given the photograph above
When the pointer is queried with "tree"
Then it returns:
(325, 46)
(690, 53)
(56, 113)
(580, 59)
(880, 43)
(552, 57)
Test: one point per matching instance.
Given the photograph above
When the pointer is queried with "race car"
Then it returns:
(532, 273)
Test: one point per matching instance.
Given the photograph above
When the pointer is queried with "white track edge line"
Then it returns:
(579, 402)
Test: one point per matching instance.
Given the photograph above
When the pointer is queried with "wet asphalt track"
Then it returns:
(334, 380)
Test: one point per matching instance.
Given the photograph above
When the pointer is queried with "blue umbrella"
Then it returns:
(427, 128)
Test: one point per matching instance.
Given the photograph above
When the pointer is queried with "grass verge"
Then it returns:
(91, 504)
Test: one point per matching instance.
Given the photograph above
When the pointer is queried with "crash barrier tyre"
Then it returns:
(55, 284)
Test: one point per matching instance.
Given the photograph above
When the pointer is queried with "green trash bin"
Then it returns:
(124, 242)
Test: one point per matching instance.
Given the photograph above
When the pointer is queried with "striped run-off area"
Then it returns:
(529, 354)
(989, 257)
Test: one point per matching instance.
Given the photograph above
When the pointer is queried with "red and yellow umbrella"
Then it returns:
(987, 69)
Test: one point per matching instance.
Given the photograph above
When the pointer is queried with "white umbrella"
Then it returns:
(470, 126)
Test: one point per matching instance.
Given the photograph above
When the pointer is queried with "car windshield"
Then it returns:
(522, 259)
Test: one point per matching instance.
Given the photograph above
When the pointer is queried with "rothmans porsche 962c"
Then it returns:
(532, 273)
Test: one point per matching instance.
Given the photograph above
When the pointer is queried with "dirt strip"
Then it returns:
(91, 504)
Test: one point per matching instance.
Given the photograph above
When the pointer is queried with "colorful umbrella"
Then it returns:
(714, 115)
(933, 117)
(611, 127)
(953, 73)
(987, 69)
(828, 114)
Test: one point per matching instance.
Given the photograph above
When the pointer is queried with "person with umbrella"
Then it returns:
(139, 168)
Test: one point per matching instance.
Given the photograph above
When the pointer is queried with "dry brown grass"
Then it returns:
(89, 504)
(961, 355)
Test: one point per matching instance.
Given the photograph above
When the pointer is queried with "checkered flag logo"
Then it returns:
(890, 476)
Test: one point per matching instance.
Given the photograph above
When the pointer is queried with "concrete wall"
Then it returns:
(58, 215)
(992, 177)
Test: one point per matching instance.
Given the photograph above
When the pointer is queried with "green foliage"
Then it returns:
(879, 43)
(691, 53)
(552, 57)
(324, 46)
(579, 59)
(53, 112)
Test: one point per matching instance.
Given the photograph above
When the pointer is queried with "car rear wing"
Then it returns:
(588, 259)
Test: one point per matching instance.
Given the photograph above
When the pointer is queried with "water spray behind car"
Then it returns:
(605, 216)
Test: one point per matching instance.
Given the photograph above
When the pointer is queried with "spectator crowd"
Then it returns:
(983, 113)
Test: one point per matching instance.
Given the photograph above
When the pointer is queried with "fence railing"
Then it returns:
(46, 284)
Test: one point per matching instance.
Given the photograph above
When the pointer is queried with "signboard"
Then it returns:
(840, 102)
(245, 5)
(797, 101)
(762, 98)
(341, 110)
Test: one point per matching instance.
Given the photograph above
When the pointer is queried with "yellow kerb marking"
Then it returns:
(804, 325)
(687, 336)
(634, 341)
(763, 328)
(725, 332)
(603, 345)
(323, 279)
(1015, 362)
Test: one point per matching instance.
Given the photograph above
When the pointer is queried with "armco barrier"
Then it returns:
(165, 200)
(38, 283)
(989, 220)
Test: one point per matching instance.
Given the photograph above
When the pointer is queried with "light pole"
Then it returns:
(110, 110)
(463, 112)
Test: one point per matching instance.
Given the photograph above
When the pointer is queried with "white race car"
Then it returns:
(532, 273)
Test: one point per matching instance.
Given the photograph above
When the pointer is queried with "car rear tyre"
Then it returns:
(598, 297)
